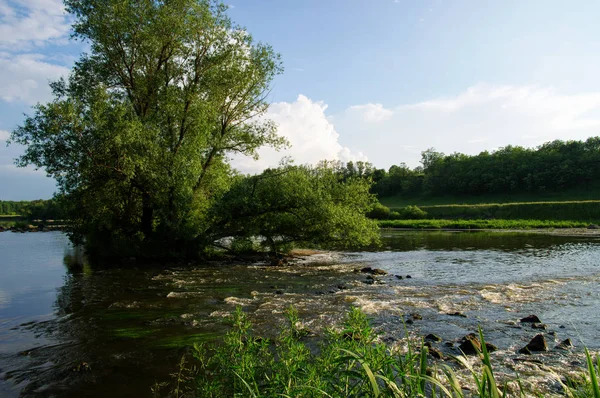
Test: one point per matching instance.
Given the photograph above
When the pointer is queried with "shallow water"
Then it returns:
(72, 331)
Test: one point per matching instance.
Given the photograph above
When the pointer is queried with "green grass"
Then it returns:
(349, 362)
(480, 224)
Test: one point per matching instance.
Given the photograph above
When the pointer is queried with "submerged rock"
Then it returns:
(538, 343)
(470, 345)
(541, 326)
(433, 337)
(530, 319)
(460, 314)
(408, 277)
(399, 277)
(373, 271)
(565, 344)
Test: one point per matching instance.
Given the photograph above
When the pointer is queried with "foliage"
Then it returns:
(33, 210)
(411, 213)
(480, 224)
(349, 362)
(552, 167)
(294, 205)
(139, 136)
(379, 212)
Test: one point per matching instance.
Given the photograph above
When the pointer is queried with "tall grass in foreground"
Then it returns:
(348, 363)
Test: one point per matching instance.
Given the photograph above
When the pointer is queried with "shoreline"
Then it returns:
(567, 232)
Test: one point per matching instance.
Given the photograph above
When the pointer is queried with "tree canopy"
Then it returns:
(139, 135)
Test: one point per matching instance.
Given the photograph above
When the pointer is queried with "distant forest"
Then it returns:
(551, 167)
(34, 209)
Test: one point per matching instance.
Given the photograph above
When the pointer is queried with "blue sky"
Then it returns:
(378, 80)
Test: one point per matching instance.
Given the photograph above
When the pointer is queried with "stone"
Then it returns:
(433, 337)
(525, 351)
(470, 345)
(593, 226)
(565, 344)
(538, 343)
(278, 291)
(399, 277)
(415, 316)
(373, 271)
(490, 347)
(530, 319)
(434, 352)
(541, 326)
(408, 277)
(460, 314)
(342, 286)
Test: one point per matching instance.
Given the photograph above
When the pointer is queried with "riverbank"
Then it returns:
(495, 224)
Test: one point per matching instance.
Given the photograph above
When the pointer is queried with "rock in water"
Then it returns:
(433, 337)
(471, 345)
(538, 343)
(530, 319)
(565, 344)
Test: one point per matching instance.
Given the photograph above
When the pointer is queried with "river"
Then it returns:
(67, 329)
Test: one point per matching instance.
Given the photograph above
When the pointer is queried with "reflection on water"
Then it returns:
(129, 326)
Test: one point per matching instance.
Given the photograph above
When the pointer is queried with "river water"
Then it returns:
(69, 330)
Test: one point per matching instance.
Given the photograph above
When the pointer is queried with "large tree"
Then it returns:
(139, 135)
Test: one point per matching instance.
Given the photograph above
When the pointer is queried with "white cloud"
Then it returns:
(312, 137)
(4, 135)
(25, 77)
(483, 117)
(29, 23)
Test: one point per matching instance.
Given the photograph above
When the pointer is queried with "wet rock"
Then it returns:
(593, 226)
(538, 343)
(449, 344)
(434, 352)
(530, 319)
(399, 277)
(470, 345)
(278, 291)
(460, 314)
(433, 337)
(369, 282)
(342, 286)
(415, 316)
(409, 322)
(565, 344)
(525, 351)
(540, 326)
(490, 347)
(562, 327)
(370, 278)
(373, 271)
(408, 277)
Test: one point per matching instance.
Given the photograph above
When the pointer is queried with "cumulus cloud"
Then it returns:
(25, 77)
(312, 137)
(29, 23)
(483, 117)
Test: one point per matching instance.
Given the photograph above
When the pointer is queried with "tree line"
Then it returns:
(553, 166)
(50, 209)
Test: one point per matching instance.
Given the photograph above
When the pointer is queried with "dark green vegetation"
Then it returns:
(139, 136)
(548, 170)
(32, 210)
(481, 224)
(349, 363)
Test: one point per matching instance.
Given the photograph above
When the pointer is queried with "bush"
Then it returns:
(379, 212)
(412, 213)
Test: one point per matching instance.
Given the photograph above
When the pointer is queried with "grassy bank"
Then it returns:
(348, 363)
(480, 224)
(572, 195)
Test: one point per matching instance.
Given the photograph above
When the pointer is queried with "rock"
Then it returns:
(433, 337)
(342, 286)
(490, 347)
(565, 344)
(470, 345)
(373, 271)
(370, 278)
(369, 281)
(449, 344)
(399, 277)
(416, 316)
(525, 351)
(278, 291)
(541, 326)
(409, 321)
(538, 343)
(530, 319)
(434, 352)
(562, 327)
(460, 314)
(408, 277)
(593, 226)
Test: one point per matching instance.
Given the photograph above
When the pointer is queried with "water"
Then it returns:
(73, 331)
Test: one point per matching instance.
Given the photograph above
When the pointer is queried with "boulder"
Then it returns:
(530, 319)
(433, 337)
(538, 343)
(565, 344)
(470, 345)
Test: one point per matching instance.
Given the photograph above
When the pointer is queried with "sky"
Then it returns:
(372, 80)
